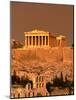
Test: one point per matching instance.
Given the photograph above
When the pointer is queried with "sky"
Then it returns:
(54, 18)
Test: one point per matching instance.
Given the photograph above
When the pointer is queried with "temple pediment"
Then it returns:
(37, 31)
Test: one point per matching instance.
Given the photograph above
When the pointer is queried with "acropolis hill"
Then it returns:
(41, 59)
(46, 51)
(56, 59)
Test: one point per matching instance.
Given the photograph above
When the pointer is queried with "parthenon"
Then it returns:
(38, 38)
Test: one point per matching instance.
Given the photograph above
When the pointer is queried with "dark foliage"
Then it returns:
(15, 80)
(58, 81)
(49, 87)
(70, 85)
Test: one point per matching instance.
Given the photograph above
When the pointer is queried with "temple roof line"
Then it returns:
(37, 31)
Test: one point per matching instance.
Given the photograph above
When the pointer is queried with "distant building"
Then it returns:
(38, 38)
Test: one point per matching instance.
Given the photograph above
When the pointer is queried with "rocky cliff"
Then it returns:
(50, 61)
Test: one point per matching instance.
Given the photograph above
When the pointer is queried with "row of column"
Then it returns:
(36, 40)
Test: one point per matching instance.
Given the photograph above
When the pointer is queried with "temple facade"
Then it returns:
(38, 38)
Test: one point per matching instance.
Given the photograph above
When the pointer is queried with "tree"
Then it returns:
(14, 78)
(69, 84)
(49, 87)
(58, 81)
(25, 81)
(61, 80)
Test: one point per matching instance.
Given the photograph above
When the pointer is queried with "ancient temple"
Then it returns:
(38, 38)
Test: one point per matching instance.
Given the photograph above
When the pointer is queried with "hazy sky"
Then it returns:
(57, 19)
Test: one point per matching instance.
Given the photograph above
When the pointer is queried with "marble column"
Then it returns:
(48, 40)
(31, 40)
(42, 40)
(45, 40)
(38, 40)
(28, 40)
(25, 41)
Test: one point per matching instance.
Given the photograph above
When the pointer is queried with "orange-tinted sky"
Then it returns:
(57, 19)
